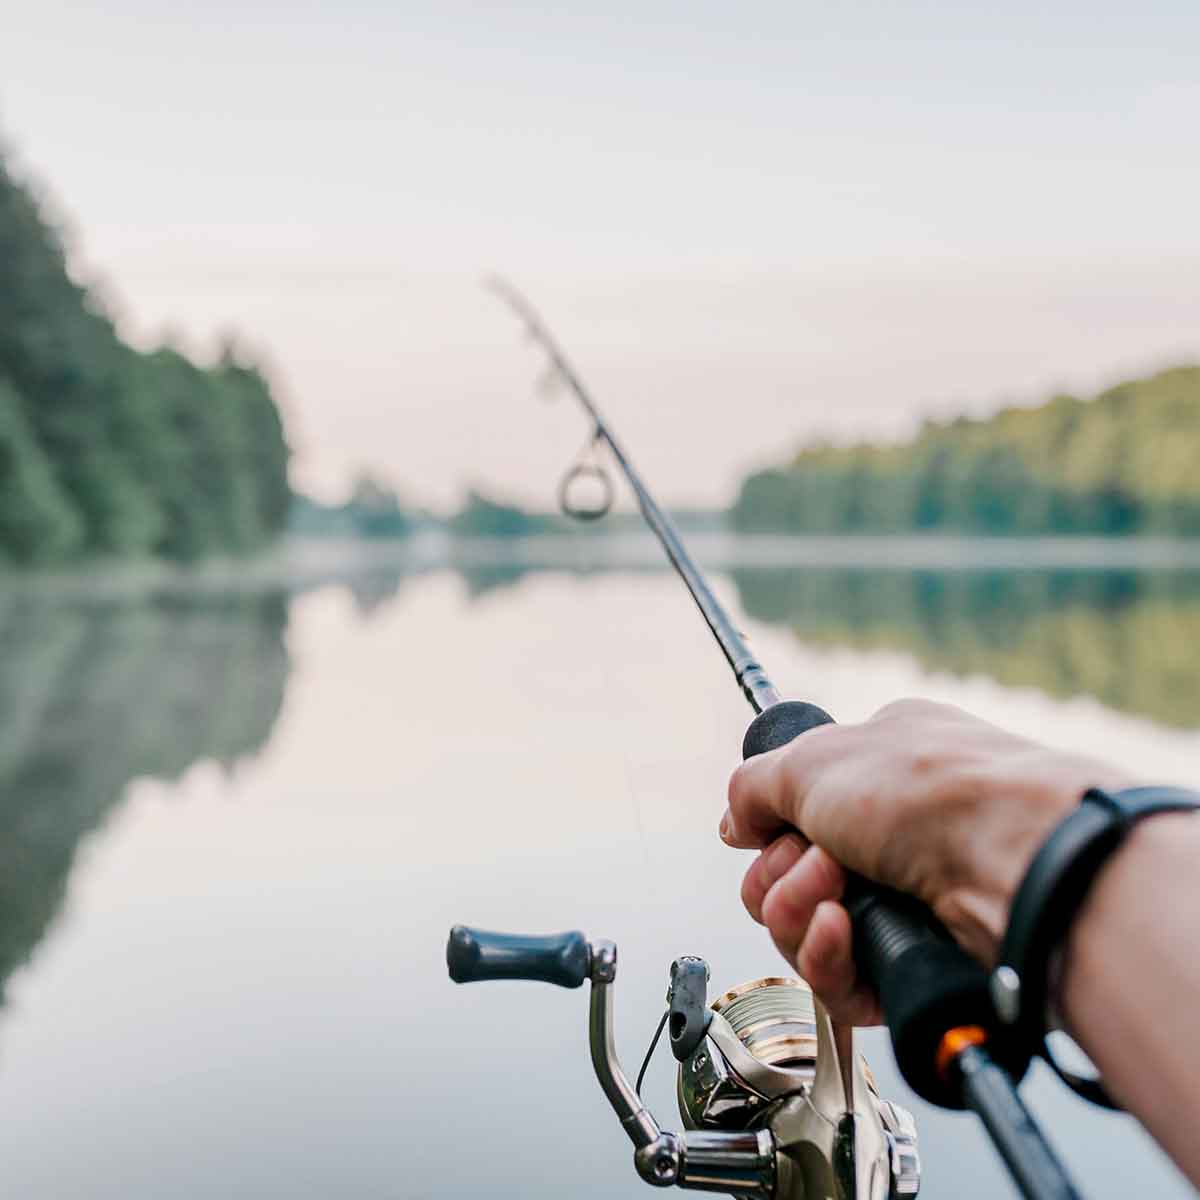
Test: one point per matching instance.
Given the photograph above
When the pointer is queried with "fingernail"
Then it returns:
(724, 829)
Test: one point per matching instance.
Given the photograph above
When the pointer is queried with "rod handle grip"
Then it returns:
(474, 955)
(927, 983)
(780, 724)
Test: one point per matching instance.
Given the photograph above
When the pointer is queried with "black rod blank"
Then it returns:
(989, 1091)
(747, 670)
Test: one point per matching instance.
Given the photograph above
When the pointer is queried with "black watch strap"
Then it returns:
(1052, 891)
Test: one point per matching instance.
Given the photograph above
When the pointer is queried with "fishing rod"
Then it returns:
(752, 679)
(796, 1114)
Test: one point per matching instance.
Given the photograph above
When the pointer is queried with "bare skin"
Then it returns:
(932, 801)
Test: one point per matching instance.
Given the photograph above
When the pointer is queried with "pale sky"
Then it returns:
(750, 224)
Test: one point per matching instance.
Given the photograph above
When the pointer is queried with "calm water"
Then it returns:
(236, 823)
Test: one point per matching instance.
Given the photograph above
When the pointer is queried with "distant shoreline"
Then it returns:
(900, 551)
(305, 558)
(302, 561)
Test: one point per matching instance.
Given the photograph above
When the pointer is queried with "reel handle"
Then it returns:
(473, 955)
(927, 984)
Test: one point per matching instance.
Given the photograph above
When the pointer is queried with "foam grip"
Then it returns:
(473, 955)
(780, 724)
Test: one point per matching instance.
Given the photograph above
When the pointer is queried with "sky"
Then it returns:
(752, 225)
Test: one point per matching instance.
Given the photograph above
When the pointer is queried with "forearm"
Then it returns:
(1131, 981)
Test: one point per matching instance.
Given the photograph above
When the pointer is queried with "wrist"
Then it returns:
(1165, 849)
(1017, 810)
(1063, 878)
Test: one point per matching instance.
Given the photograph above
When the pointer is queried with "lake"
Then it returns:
(239, 810)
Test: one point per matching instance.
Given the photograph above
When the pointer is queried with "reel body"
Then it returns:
(774, 1101)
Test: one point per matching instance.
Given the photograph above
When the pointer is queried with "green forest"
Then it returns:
(1124, 462)
(106, 450)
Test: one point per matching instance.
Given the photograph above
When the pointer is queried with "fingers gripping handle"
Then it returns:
(927, 984)
(473, 955)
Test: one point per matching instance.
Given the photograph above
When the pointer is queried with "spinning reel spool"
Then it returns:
(774, 1102)
(775, 1021)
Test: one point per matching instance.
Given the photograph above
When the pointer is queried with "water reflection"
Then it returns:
(1129, 639)
(1127, 636)
(96, 694)
(253, 960)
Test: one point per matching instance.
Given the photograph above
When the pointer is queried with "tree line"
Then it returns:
(1121, 463)
(106, 450)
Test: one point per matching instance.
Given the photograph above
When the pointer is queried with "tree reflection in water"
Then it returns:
(96, 694)
(1130, 639)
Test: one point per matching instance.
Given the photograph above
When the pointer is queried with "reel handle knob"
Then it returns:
(927, 984)
(473, 955)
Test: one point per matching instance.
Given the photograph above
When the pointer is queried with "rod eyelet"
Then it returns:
(582, 471)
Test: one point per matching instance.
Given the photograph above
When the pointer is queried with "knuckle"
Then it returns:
(773, 906)
(833, 878)
(925, 761)
(913, 709)
(800, 747)
(901, 709)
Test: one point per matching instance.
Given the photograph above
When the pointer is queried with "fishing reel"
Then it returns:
(774, 1101)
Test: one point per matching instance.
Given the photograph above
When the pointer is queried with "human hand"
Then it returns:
(924, 798)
